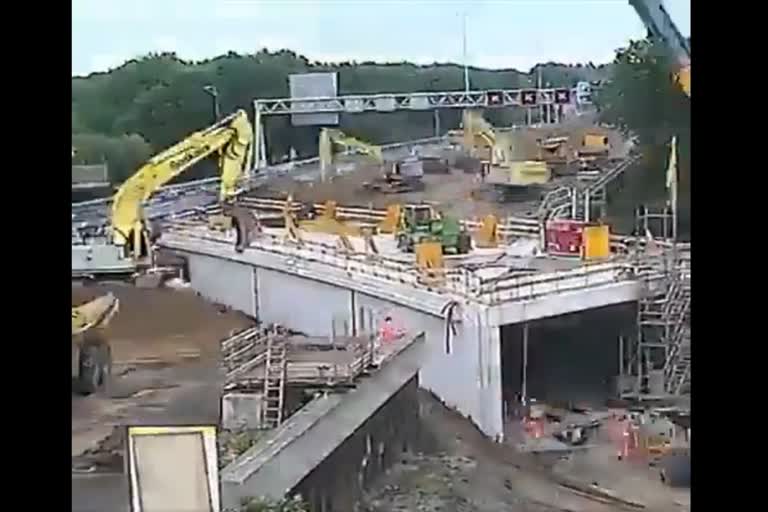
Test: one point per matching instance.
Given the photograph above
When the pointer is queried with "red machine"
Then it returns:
(564, 237)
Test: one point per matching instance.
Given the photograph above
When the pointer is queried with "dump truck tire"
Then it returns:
(94, 366)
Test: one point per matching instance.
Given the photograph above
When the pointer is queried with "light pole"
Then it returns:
(464, 51)
(436, 111)
(210, 89)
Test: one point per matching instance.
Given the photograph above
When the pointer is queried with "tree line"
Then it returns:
(126, 114)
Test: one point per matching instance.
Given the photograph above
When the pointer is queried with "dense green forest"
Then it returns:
(128, 113)
(150, 103)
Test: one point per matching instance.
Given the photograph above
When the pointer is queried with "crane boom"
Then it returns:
(231, 137)
(660, 26)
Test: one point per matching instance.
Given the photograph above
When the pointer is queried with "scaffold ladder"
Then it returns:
(662, 346)
(274, 381)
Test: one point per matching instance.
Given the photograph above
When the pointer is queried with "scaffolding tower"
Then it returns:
(659, 359)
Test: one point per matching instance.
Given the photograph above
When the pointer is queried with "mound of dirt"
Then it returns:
(162, 323)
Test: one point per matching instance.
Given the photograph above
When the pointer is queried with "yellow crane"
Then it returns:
(231, 137)
(660, 26)
(93, 353)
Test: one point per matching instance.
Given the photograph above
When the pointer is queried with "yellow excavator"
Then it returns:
(231, 137)
(92, 359)
(130, 239)
(333, 141)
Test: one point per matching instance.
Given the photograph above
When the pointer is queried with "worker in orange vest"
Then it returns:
(388, 332)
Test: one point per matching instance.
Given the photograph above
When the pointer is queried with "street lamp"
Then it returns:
(210, 89)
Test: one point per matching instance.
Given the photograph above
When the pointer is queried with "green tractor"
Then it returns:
(421, 224)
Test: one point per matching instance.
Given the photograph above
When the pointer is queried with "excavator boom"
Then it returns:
(231, 137)
(331, 138)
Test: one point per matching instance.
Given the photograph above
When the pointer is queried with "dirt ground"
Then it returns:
(450, 193)
(162, 324)
(466, 472)
(165, 348)
(458, 194)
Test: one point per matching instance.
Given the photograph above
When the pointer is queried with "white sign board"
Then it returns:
(313, 85)
(385, 104)
(419, 103)
(173, 469)
(354, 106)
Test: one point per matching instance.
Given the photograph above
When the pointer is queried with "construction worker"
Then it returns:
(388, 332)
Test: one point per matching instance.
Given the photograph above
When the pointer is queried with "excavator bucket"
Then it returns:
(95, 313)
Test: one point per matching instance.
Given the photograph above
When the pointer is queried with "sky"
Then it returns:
(500, 33)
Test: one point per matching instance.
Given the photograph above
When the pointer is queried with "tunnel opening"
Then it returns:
(571, 359)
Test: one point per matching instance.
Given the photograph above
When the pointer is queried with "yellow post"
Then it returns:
(392, 220)
(596, 243)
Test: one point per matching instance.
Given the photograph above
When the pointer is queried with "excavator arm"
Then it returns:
(660, 26)
(231, 137)
(333, 141)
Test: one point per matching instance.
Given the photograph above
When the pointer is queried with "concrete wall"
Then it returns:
(463, 368)
(339, 482)
(331, 448)
(301, 304)
(224, 282)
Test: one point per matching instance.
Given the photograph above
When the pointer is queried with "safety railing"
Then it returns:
(509, 227)
(459, 282)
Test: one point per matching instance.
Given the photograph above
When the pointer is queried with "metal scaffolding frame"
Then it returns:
(395, 102)
(659, 358)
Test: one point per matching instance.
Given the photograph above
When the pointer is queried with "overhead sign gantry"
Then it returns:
(397, 102)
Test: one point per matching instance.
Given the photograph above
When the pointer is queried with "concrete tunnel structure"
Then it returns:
(464, 363)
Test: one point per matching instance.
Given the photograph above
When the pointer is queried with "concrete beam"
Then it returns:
(425, 301)
(565, 302)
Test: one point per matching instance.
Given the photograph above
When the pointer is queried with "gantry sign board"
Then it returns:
(173, 469)
(358, 103)
(307, 110)
(313, 85)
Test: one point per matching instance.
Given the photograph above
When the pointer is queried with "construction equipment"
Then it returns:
(333, 141)
(92, 351)
(403, 176)
(660, 26)
(594, 145)
(479, 135)
(326, 221)
(420, 224)
(553, 150)
(131, 237)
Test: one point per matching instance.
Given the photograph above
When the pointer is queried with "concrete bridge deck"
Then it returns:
(311, 286)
